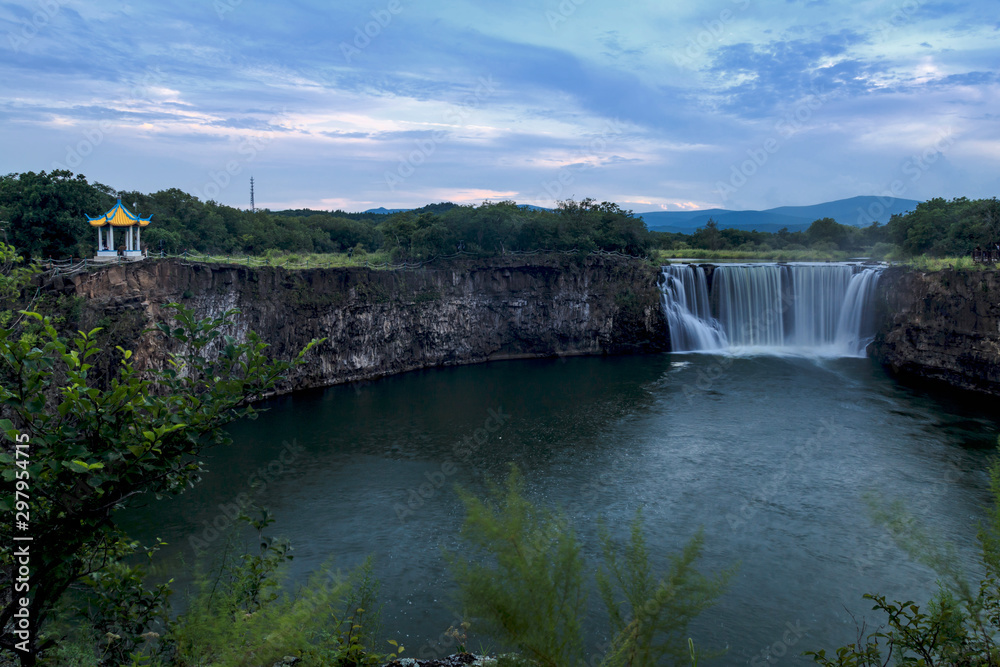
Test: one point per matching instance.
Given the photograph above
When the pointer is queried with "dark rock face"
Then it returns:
(941, 325)
(383, 322)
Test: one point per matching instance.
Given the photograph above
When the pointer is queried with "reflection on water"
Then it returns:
(772, 456)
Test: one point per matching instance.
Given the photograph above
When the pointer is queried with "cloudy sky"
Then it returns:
(669, 105)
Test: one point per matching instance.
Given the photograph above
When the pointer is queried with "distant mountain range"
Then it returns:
(857, 211)
(381, 210)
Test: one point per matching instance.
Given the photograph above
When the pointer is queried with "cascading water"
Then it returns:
(855, 328)
(748, 300)
(817, 309)
(685, 302)
(819, 294)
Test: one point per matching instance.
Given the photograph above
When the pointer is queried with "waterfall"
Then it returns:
(819, 296)
(806, 308)
(855, 328)
(689, 319)
(748, 299)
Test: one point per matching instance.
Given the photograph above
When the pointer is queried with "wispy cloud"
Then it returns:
(692, 88)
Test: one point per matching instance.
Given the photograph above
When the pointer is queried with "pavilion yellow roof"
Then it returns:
(119, 216)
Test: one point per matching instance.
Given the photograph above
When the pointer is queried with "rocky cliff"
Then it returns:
(941, 325)
(382, 322)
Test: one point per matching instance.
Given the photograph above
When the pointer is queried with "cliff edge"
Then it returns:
(382, 322)
(941, 325)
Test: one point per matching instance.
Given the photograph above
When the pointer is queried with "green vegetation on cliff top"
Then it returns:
(46, 215)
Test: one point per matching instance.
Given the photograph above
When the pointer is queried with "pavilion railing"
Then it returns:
(988, 256)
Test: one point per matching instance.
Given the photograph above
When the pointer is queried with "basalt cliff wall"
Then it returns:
(382, 322)
(941, 325)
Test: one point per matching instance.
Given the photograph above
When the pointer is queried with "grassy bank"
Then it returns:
(374, 260)
(381, 260)
(755, 255)
(925, 263)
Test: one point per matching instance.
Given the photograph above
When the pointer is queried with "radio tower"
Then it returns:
(253, 209)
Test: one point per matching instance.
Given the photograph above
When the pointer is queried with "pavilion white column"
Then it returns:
(131, 235)
(111, 237)
(98, 239)
(138, 237)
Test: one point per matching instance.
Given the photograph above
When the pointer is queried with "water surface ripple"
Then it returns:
(773, 456)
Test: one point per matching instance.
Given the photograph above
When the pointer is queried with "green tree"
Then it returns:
(490, 227)
(940, 227)
(708, 237)
(588, 225)
(917, 231)
(829, 231)
(85, 448)
(13, 278)
(48, 212)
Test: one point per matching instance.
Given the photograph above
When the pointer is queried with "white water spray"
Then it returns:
(689, 318)
(796, 308)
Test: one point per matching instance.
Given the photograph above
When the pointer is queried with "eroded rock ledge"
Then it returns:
(941, 325)
(383, 322)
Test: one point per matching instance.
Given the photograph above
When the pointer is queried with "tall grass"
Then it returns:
(965, 263)
(755, 255)
(286, 260)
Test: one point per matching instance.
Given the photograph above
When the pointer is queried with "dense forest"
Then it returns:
(45, 215)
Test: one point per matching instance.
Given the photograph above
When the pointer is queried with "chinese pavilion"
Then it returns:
(129, 223)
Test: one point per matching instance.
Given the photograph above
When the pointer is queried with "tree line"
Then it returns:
(46, 215)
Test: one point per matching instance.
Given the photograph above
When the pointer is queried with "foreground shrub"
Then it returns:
(522, 579)
(651, 622)
(959, 626)
(526, 585)
(87, 446)
(240, 617)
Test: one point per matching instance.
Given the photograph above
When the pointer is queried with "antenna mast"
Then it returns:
(253, 209)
